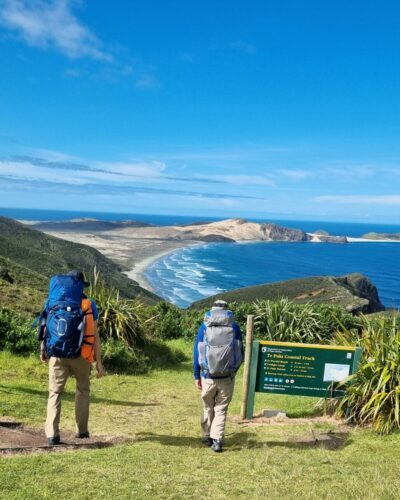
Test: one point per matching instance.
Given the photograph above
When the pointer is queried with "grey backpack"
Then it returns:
(220, 354)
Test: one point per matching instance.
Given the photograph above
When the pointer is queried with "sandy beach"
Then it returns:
(132, 252)
(140, 266)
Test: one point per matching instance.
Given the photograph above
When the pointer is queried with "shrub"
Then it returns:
(16, 333)
(286, 321)
(283, 320)
(165, 321)
(190, 323)
(119, 358)
(240, 311)
(119, 318)
(373, 392)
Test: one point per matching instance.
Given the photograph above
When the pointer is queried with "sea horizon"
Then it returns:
(334, 227)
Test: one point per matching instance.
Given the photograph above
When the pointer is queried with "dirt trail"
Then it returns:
(14, 438)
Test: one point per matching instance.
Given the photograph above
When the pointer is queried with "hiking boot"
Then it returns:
(82, 435)
(207, 441)
(216, 445)
(53, 441)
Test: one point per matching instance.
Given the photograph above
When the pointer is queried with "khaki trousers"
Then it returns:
(59, 371)
(216, 395)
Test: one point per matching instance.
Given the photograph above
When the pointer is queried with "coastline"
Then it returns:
(132, 253)
(139, 268)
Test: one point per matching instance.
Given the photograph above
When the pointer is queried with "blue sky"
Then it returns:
(260, 109)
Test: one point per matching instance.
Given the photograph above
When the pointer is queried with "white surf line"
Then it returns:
(366, 240)
(137, 273)
(351, 239)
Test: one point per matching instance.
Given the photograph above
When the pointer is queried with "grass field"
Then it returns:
(165, 458)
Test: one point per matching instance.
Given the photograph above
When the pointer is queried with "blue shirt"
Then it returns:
(197, 372)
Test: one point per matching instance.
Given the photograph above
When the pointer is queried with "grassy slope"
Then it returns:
(318, 289)
(27, 293)
(161, 412)
(46, 255)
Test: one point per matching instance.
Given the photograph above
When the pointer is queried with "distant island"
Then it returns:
(382, 236)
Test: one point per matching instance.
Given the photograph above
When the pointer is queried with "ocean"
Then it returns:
(192, 273)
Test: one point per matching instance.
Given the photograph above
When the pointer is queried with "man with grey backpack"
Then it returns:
(218, 354)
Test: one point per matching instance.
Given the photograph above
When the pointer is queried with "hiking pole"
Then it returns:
(247, 362)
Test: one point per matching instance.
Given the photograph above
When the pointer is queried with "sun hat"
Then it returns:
(79, 275)
(220, 303)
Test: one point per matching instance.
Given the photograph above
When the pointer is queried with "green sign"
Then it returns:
(299, 369)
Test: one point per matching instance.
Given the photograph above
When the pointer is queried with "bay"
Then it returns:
(194, 273)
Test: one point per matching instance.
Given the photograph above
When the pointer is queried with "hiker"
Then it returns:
(69, 343)
(218, 354)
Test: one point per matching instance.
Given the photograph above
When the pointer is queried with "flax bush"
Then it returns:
(373, 392)
(119, 318)
(286, 321)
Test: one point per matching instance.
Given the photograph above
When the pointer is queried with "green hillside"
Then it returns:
(28, 258)
(353, 292)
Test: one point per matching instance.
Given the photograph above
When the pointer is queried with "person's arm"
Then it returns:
(97, 352)
(43, 355)
(97, 344)
(196, 365)
(238, 336)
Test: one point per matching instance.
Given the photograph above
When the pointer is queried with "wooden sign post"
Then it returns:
(247, 363)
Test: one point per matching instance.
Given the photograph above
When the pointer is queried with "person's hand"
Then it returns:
(100, 370)
(197, 383)
(43, 356)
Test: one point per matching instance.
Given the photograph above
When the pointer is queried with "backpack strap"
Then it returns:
(40, 322)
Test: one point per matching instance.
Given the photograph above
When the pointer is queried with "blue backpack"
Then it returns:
(62, 324)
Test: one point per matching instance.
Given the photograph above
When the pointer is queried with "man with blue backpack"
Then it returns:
(69, 343)
(218, 354)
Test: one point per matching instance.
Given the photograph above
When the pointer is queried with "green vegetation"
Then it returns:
(286, 321)
(373, 395)
(281, 320)
(159, 412)
(30, 257)
(354, 292)
(16, 333)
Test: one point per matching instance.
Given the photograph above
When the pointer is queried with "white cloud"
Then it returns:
(238, 180)
(98, 173)
(139, 169)
(361, 199)
(243, 47)
(51, 24)
(148, 82)
(353, 172)
(76, 175)
(295, 174)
